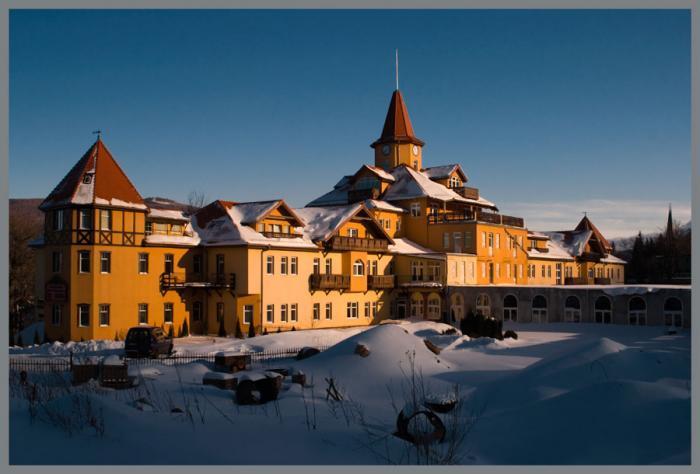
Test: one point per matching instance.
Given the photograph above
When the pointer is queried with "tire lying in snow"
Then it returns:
(419, 427)
(307, 352)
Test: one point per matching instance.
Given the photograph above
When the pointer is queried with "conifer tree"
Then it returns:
(185, 329)
(251, 330)
(222, 328)
(239, 331)
(171, 332)
(37, 341)
(20, 342)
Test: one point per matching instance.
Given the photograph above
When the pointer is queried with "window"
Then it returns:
(105, 219)
(434, 307)
(353, 232)
(489, 240)
(317, 311)
(398, 224)
(468, 241)
(329, 266)
(352, 310)
(56, 313)
(293, 268)
(58, 219)
(276, 229)
(637, 311)
(149, 227)
(248, 314)
(104, 315)
(454, 182)
(373, 267)
(220, 264)
(483, 304)
(446, 240)
(483, 239)
(270, 313)
(84, 261)
(329, 310)
(56, 262)
(143, 263)
(317, 266)
(83, 315)
(283, 313)
(169, 266)
(457, 239)
(168, 313)
(85, 219)
(293, 312)
(374, 309)
(483, 269)
(260, 227)
(433, 210)
(105, 262)
(572, 310)
(197, 264)
(367, 309)
(143, 313)
(219, 312)
(358, 268)
(270, 265)
(498, 270)
(520, 270)
(539, 309)
(510, 308)
(176, 229)
(603, 310)
(549, 271)
(507, 271)
(415, 209)
(283, 265)
(498, 241)
(673, 312)
(197, 311)
(543, 271)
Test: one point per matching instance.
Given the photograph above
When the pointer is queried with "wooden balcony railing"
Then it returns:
(427, 279)
(318, 281)
(602, 281)
(575, 281)
(357, 243)
(175, 280)
(466, 216)
(467, 192)
(450, 217)
(279, 235)
(381, 282)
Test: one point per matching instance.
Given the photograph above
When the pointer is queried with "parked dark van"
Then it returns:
(147, 341)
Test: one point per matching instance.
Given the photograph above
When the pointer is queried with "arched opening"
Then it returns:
(416, 310)
(457, 308)
(673, 312)
(483, 304)
(510, 308)
(637, 313)
(539, 309)
(572, 310)
(603, 310)
(434, 305)
(358, 268)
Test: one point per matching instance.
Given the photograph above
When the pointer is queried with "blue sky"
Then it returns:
(550, 113)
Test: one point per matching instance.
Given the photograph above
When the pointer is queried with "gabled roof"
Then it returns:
(586, 224)
(572, 241)
(253, 212)
(397, 125)
(412, 184)
(445, 171)
(95, 179)
(378, 172)
(322, 223)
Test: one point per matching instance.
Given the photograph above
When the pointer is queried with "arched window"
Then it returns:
(539, 309)
(637, 311)
(434, 306)
(510, 308)
(454, 182)
(673, 312)
(457, 309)
(572, 310)
(603, 310)
(416, 310)
(483, 304)
(358, 268)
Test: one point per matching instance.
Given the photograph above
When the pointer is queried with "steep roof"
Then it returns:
(95, 179)
(323, 222)
(586, 224)
(397, 125)
(444, 172)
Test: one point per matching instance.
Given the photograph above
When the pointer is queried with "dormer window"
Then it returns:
(353, 232)
(455, 182)
(87, 178)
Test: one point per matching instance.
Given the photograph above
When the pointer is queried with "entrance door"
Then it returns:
(401, 310)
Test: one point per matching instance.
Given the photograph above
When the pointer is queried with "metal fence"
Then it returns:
(63, 363)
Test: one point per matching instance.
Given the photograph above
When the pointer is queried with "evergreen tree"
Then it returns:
(171, 332)
(279, 330)
(185, 329)
(37, 341)
(222, 328)
(294, 328)
(19, 340)
(251, 330)
(239, 331)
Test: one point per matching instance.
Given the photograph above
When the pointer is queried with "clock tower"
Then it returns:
(397, 144)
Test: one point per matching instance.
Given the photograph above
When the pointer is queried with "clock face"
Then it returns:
(386, 149)
(415, 150)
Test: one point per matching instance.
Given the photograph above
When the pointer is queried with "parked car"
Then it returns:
(147, 341)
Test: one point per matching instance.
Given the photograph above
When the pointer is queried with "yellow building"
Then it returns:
(386, 241)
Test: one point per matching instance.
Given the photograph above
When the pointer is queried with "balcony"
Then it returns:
(357, 243)
(421, 280)
(467, 216)
(319, 281)
(602, 281)
(179, 280)
(450, 217)
(494, 218)
(279, 235)
(381, 282)
(467, 192)
(575, 281)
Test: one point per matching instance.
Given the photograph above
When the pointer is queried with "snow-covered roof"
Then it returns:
(251, 212)
(335, 197)
(414, 184)
(573, 242)
(531, 234)
(322, 222)
(612, 259)
(379, 172)
(443, 171)
(403, 246)
(554, 252)
(162, 239)
(169, 214)
(383, 206)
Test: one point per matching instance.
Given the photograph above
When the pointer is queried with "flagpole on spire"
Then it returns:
(397, 69)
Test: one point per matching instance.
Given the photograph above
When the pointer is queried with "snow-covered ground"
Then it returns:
(559, 394)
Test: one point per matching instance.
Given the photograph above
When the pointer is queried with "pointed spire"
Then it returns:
(397, 125)
(586, 224)
(669, 223)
